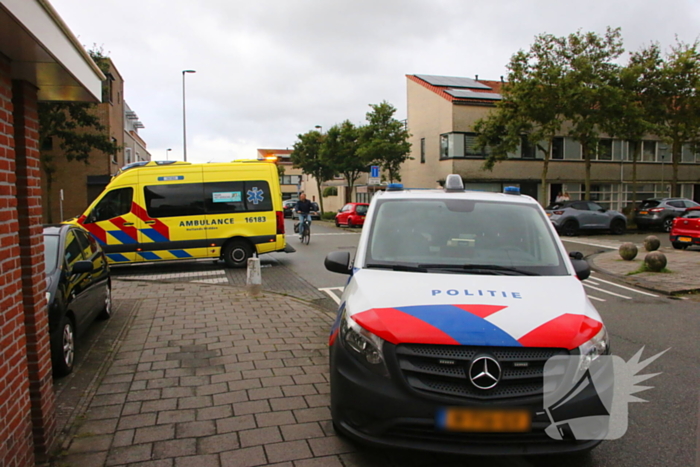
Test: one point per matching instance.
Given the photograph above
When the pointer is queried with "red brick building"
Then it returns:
(40, 59)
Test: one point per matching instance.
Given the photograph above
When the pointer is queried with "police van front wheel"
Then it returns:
(237, 253)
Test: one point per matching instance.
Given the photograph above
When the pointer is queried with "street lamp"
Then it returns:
(167, 151)
(184, 118)
(319, 128)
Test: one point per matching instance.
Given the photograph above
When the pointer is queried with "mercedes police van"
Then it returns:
(455, 302)
(173, 210)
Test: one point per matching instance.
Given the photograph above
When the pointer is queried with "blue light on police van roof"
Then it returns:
(511, 190)
(394, 187)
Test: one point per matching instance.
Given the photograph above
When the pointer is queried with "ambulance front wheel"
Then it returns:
(236, 254)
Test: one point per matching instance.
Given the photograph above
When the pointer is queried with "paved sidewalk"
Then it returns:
(683, 264)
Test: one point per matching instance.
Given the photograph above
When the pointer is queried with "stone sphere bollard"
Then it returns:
(628, 251)
(652, 243)
(655, 261)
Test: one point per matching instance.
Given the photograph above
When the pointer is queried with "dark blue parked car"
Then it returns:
(78, 289)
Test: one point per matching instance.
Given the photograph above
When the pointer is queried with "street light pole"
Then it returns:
(184, 115)
(167, 151)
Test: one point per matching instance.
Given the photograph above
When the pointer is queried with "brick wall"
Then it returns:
(27, 414)
(16, 446)
(28, 176)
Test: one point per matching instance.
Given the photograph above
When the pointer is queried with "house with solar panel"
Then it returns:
(441, 114)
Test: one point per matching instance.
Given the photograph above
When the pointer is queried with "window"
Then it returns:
(632, 148)
(444, 147)
(422, 150)
(127, 156)
(471, 148)
(114, 156)
(581, 206)
(73, 249)
(595, 207)
(290, 179)
(558, 148)
(676, 204)
(604, 152)
(184, 199)
(649, 151)
(232, 197)
(527, 149)
(114, 204)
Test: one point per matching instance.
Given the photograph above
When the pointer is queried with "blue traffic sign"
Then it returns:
(374, 172)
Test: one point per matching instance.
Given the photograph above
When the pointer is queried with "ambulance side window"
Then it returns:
(114, 204)
(183, 199)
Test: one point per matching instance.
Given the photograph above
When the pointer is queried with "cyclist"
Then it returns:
(304, 208)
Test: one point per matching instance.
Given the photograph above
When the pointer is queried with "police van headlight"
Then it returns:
(594, 348)
(363, 344)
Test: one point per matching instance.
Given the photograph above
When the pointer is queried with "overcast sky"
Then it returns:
(269, 70)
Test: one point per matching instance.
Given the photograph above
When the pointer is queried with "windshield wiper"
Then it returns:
(478, 269)
(397, 267)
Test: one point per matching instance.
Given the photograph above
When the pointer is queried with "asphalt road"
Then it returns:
(661, 432)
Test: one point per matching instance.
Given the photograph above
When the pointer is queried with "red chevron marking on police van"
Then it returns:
(567, 331)
(482, 311)
(97, 231)
(158, 226)
(398, 327)
(131, 231)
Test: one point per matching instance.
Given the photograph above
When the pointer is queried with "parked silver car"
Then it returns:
(571, 217)
(660, 212)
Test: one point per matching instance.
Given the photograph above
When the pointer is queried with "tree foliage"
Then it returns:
(384, 140)
(307, 156)
(340, 153)
(75, 131)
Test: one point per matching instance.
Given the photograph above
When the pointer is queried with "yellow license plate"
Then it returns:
(643, 212)
(479, 420)
(685, 239)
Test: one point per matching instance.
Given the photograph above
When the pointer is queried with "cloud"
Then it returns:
(267, 71)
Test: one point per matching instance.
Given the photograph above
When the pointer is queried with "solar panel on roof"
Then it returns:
(452, 81)
(467, 94)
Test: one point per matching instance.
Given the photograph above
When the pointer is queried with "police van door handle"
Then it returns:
(149, 222)
(128, 224)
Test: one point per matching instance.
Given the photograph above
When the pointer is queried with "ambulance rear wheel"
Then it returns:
(237, 253)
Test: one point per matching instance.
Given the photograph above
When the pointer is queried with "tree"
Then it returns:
(531, 108)
(673, 98)
(307, 156)
(588, 87)
(340, 152)
(630, 110)
(75, 128)
(384, 140)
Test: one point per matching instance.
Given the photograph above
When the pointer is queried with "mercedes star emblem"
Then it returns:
(484, 372)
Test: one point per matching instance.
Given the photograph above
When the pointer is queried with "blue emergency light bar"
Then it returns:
(511, 190)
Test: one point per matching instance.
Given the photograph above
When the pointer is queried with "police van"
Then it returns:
(159, 211)
(456, 301)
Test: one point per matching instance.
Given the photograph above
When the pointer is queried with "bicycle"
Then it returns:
(305, 230)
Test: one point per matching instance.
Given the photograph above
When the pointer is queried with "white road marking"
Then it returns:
(626, 288)
(607, 292)
(590, 244)
(588, 281)
(596, 298)
(218, 280)
(329, 291)
(334, 233)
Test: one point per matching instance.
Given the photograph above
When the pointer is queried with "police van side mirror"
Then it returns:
(338, 261)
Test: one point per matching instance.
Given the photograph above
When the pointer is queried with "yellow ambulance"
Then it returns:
(172, 210)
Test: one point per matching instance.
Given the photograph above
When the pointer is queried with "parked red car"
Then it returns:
(352, 214)
(686, 229)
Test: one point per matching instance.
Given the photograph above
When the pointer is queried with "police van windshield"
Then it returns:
(458, 234)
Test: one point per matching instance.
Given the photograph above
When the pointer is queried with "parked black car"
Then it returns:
(78, 289)
(288, 206)
(659, 212)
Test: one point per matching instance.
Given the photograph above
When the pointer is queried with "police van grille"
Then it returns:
(443, 370)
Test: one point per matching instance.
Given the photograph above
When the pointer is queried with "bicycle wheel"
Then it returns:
(307, 235)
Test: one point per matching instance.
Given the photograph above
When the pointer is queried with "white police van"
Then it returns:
(456, 301)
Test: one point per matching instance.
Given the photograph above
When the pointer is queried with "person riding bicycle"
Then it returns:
(304, 208)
